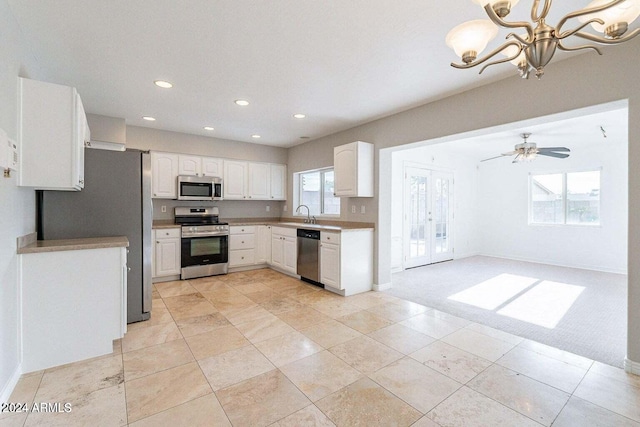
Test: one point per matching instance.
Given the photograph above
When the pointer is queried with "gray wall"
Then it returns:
(579, 82)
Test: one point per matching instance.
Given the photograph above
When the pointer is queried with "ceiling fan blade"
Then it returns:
(552, 154)
(496, 157)
(515, 160)
(562, 149)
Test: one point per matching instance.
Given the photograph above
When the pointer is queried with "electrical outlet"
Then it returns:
(362, 210)
(268, 208)
(163, 209)
(353, 208)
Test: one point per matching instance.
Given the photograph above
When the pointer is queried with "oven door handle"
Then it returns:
(207, 234)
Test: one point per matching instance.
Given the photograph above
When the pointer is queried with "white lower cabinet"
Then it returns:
(330, 265)
(346, 261)
(284, 249)
(166, 252)
(242, 246)
(263, 244)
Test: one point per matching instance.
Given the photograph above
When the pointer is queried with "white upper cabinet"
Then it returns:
(258, 181)
(212, 166)
(353, 168)
(199, 166)
(235, 180)
(52, 132)
(278, 181)
(164, 174)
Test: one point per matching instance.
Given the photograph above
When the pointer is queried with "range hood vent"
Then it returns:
(107, 133)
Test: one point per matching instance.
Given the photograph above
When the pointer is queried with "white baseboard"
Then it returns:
(10, 385)
(631, 367)
(558, 264)
(382, 287)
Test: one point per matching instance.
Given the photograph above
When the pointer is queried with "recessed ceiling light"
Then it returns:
(149, 118)
(242, 102)
(163, 84)
(208, 128)
(299, 116)
(255, 136)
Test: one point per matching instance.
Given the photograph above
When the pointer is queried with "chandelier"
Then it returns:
(532, 50)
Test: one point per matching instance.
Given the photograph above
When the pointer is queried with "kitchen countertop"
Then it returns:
(32, 246)
(282, 222)
(164, 223)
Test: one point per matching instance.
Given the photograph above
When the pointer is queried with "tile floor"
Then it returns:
(259, 348)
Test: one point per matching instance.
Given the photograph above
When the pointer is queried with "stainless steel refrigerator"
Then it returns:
(116, 201)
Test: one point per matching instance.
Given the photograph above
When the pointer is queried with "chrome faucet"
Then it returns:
(308, 220)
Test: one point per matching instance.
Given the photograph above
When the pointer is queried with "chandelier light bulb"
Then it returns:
(470, 38)
(616, 19)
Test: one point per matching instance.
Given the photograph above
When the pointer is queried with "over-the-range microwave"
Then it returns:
(199, 187)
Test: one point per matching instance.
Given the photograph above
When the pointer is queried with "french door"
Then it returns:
(428, 217)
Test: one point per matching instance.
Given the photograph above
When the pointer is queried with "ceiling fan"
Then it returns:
(527, 151)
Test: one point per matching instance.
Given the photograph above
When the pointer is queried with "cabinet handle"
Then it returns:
(157, 241)
(328, 238)
(243, 241)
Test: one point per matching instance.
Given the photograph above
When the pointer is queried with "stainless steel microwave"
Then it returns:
(199, 187)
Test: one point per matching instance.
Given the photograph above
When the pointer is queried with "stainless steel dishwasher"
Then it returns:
(309, 255)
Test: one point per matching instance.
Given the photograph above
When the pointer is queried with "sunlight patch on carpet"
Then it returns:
(494, 292)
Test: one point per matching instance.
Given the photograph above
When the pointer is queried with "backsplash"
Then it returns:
(228, 208)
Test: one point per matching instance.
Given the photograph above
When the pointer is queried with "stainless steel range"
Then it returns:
(205, 242)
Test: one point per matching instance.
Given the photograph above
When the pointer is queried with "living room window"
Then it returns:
(315, 189)
(567, 198)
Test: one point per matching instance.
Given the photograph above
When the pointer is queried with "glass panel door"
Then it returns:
(441, 244)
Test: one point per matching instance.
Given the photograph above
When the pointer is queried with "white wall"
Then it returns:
(18, 204)
(504, 191)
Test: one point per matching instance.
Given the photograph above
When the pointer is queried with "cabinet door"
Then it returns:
(235, 180)
(344, 167)
(81, 136)
(278, 182)
(189, 165)
(330, 265)
(263, 244)
(290, 254)
(211, 166)
(167, 257)
(258, 181)
(277, 251)
(164, 174)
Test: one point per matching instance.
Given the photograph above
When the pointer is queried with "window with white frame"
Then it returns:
(571, 198)
(315, 190)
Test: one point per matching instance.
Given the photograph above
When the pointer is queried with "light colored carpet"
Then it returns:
(580, 311)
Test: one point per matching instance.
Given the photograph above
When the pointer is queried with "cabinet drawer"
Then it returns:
(168, 233)
(284, 231)
(241, 257)
(242, 229)
(326, 237)
(242, 241)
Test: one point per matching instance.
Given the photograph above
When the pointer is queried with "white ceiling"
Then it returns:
(342, 63)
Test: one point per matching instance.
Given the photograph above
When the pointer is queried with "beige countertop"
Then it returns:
(282, 222)
(164, 223)
(32, 246)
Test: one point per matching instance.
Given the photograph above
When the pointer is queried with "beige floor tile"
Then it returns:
(468, 408)
(261, 400)
(232, 305)
(252, 287)
(172, 289)
(543, 368)
(617, 396)
(479, 344)
(451, 361)
(458, 321)
(419, 386)
(264, 329)
(79, 379)
(254, 312)
(365, 403)
(263, 296)
(301, 289)
(203, 411)
(224, 295)
(330, 333)
(401, 338)
(281, 305)
(396, 312)
(310, 416)
(206, 286)
(159, 315)
(190, 305)
(150, 360)
(25, 390)
(531, 398)
(364, 321)
(13, 419)
(287, 348)
(368, 300)
(615, 373)
(152, 335)
(425, 422)
(365, 354)
(106, 404)
(564, 356)
(495, 333)
(189, 326)
(215, 342)
(316, 297)
(320, 374)
(581, 413)
(158, 392)
(335, 308)
(430, 325)
(303, 317)
(234, 366)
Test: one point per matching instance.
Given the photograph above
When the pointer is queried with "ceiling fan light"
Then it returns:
(501, 7)
(616, 19)
(470, 38)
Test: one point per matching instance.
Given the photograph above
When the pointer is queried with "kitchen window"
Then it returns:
(315, 190)
(568, 198)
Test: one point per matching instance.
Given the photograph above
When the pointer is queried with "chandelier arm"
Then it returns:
(587, 11)
(575, 30)
(571, 49)
(603, 40)
(500, 61)
(501, 22)
(522, 41)
(535, 17)
(489, 56)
